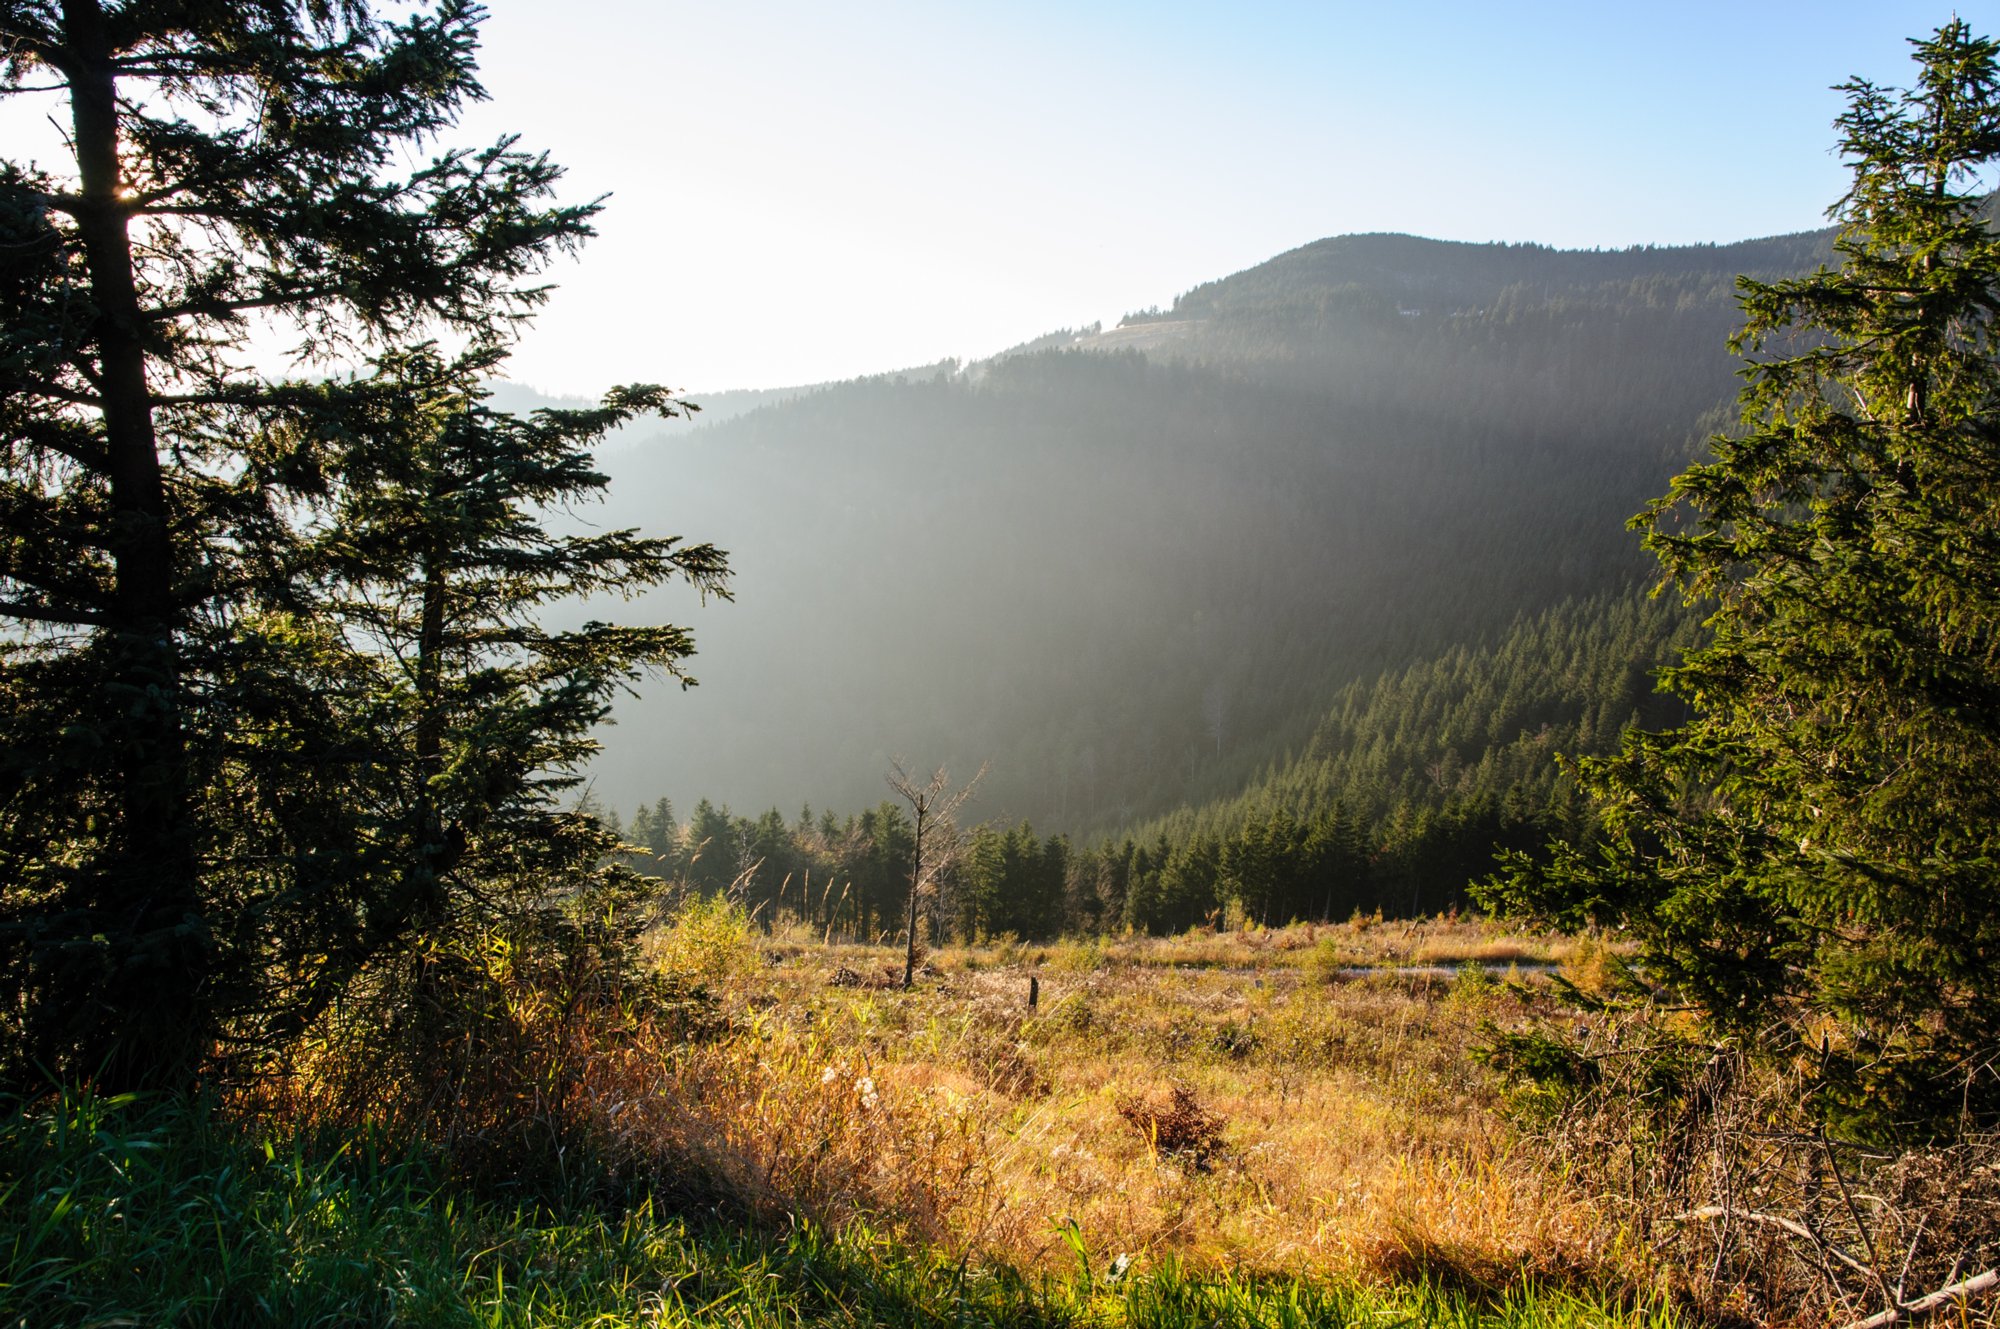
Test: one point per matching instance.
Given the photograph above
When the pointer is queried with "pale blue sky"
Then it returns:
(804, 191)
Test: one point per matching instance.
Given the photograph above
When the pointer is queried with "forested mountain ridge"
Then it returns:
(1408, 785)
(1634, 333)
(1131, 578)
(1443, 276)
(1410, 780)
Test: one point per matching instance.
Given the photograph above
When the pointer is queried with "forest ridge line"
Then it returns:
(1163, 548)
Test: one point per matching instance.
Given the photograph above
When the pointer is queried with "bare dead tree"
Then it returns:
(935, 806)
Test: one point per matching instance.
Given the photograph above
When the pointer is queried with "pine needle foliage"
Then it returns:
(220, 790)
(445, 553)
(1815, 857)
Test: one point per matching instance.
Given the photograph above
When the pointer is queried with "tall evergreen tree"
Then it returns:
(228, 162)
(665, 828)
(441, 559)
(714, 849)
(1824, 836)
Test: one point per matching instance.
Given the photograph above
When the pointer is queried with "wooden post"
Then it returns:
(921, 802)
(1034, 991)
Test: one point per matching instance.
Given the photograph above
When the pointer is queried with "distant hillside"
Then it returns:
(1408, 784)
(713, 407)
(1132, 568)
(1449, 277)
(1408, 781)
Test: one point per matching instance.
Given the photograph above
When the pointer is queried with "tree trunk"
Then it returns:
(916, 879)
(148, 1024)
(433, 853)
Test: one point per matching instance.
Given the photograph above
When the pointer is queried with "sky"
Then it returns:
(797, 192)
(801, 192)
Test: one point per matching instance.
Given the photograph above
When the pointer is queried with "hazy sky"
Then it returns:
(803, 191)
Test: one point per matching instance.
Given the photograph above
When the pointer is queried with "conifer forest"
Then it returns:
(1422, 781)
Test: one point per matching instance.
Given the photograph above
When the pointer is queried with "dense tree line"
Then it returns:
(848, 876)
(1410, 783)
(1409, 786)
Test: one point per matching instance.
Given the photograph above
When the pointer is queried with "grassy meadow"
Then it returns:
(1266, 1127)
(1272, 1101)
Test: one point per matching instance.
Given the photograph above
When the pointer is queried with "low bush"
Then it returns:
(1179, 1128)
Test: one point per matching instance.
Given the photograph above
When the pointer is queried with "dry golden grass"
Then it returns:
(1356, 1135)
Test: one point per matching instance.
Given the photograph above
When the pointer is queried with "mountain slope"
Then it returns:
(1408, 782)
(1130, 578)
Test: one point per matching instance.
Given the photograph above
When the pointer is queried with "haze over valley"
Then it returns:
(1130, 567)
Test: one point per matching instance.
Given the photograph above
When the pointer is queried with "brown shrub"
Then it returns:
(785, 1126)
(480, 1049)
(1180, 1127)
(1742, 1200)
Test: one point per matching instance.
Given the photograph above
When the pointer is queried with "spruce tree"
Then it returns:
(441, 559)
(1814, 858)
(227, 164)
